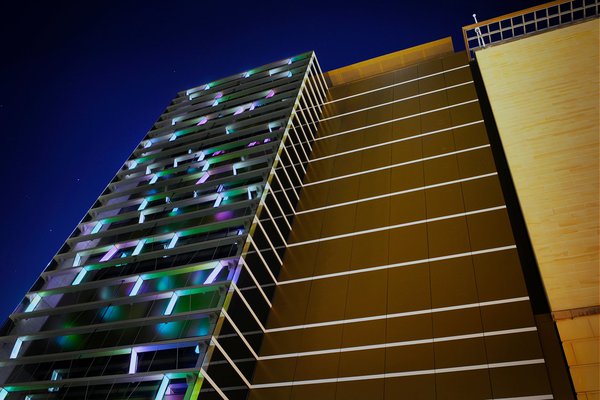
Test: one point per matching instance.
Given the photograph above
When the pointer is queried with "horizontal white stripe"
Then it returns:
(389, 121)
(398, 344)
(399, 374)
(400, 192)
(402, 264)
(396, 165)
(396, 226)
(538, 397)
(214, 341)
(395, 101)
(397, 315)
(343, 153)
(396, 84)
(213, 384)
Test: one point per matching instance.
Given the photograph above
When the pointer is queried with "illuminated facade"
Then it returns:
(362, 233)
(128, 306)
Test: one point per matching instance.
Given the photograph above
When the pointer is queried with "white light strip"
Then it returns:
(136, 288)
(213, 275)
(138, 247)
(258, 286)
(418, 160)
(403, 225)
(237, 290)
(287, 176)
(400, 192)
(538, 397)
(213, 384)
(162, 388)
(401, 264)
(400, 374)
(256, 220)
(389, 121)
(97, 228)
(398, 344)
(275, 223)
(293, 146)
(133, 361)
(292, 165)
(79, 277)
(240, 334)
(395, 101)
(283, 190)
(16, 348)
(262, 258)
(404, 139)
(308, 141)
(301, 144)
(397, 315)
(143, 205)
(173, 241)
(216, 343)
(274, 196)
(35, 300)
(171, 304)
(396, 84)
(77, 260)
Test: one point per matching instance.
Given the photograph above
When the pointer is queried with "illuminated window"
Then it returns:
(133, 362)
(79, 277)
(171, 304)
(136, 288)
(97, 228)
(56, 376)
(33, 303)
(16, 348)
(162, 389)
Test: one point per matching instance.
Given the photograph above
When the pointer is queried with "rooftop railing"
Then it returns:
(526, 22)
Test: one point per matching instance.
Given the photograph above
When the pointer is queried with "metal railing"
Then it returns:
(526, 22)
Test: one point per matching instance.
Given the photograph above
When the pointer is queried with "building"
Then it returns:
(138, 289)
(373, 231)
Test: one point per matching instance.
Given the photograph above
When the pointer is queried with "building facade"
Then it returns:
(129, 306)
(377, 231)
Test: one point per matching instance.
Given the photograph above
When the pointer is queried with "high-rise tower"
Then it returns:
(128, 306)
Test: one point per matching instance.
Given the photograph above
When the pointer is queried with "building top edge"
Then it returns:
(390, 62)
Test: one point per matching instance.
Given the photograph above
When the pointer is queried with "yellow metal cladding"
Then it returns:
(544, 93)
(390, 62)
(401, 278)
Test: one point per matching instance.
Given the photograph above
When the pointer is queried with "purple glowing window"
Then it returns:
(109, 254)
(203, 178)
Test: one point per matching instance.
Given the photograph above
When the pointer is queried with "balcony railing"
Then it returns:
(526, 22)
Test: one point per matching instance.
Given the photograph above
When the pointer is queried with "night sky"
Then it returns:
(82, 82)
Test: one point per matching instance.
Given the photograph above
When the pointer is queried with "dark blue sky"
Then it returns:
(82, 82)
